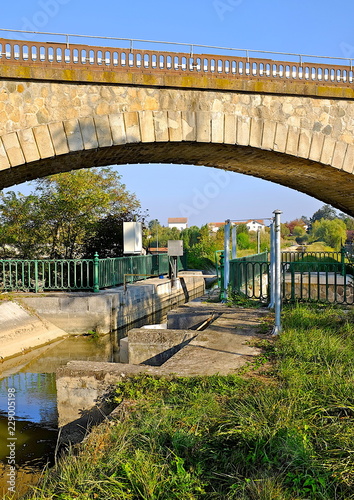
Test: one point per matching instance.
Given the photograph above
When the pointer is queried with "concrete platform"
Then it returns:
(220, 349)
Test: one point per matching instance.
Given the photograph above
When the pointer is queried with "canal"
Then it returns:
(32, 381)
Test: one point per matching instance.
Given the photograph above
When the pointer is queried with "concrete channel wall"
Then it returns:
(31, 321)
(114, 308)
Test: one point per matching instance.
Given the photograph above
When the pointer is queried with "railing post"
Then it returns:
(278, 264)
(342, 259)
(96, 263)
(234, 242)
(272, 267)
(226, 258)
(36, 276)
(221, 268)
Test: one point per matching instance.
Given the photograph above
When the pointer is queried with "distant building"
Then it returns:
(252, 225)
(215, 226)
(179, 223)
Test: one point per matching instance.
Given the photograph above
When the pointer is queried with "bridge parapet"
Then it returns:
(74, 57)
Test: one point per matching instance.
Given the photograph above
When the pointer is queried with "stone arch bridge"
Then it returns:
(67, 107)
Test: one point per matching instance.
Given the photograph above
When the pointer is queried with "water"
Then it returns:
(31, 378)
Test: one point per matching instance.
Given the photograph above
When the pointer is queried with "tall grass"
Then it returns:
(285, 433)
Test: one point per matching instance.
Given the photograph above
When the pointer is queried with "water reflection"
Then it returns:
(36, 404)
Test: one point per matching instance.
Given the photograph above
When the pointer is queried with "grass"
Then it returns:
(285, 434)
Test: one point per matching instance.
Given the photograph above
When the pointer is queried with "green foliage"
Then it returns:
(332, 232)
(243, 240)
(63, 213)
(325, 212)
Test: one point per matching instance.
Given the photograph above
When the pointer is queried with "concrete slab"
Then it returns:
(220, 349)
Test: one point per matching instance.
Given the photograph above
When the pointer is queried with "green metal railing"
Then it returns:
(79, 274)
(306, 276)
(246, 275)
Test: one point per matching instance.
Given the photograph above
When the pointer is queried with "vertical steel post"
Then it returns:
(234, 241)
(272, 266)
(36, 284)
(277, 298)
(221, 268)
(226, 258)
(96, 284)
(342, 260)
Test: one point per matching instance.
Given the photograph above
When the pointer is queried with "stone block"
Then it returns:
(348, 164)
(13, 149)
(28, 145)
(230, 128)
(118, 129)
(103, 131)
(44, 141)
(4, 161)
(268, 137)
(73, 135)
(175, 125)
(243, 130)
(304, 143)
(339, 154)
(256, 133)
(189, 128)
(161, 126)
(203, 126)
(316, 146)
(217, 127)
(132, 127)
(328, 150)
(292, 143)
(59, 139)
(147, 126)
(88, 132)
(281, 136)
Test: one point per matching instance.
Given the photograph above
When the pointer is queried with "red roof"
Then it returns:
(178, 220)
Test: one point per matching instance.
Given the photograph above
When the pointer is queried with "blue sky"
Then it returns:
(320, 27)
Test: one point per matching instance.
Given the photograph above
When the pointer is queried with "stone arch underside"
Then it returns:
(310, 162)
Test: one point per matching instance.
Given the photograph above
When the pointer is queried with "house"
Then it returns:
(215, 226)
(179, 223)
(252, 225)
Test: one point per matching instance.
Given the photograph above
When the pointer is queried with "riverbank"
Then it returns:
(280, 428)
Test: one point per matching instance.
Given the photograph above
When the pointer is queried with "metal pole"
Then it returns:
(272, 267)
(234, 241)
(277, 298)
(96, 263)
(226, 257)
(258, 241)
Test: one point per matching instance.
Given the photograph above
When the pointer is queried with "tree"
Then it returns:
(325, 212)
(294, 223)
(348, 221)
(299, 232)
(284, 230)
(22, 233)
(332, 232)
(64, 212)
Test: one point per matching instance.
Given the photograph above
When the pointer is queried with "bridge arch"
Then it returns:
(306, 160)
